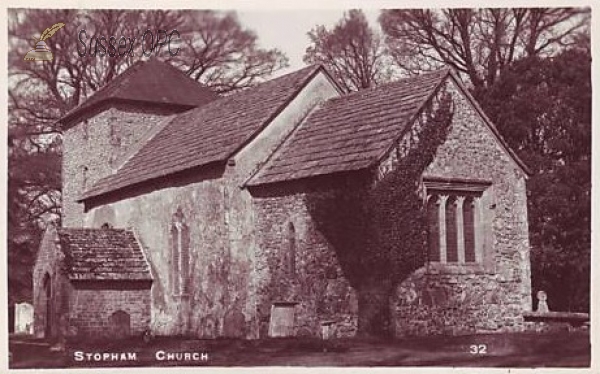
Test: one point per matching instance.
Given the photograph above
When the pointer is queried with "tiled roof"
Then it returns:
(151, 81)
(211, 133)
(103, 254)
(351, 132)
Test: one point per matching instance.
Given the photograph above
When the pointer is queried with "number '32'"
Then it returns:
(478, 349)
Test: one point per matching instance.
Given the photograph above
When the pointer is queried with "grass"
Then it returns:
(558, 349)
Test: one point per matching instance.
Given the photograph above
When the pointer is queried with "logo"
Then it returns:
(41, 51)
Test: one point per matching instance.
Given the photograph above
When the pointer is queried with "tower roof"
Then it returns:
(149, 82)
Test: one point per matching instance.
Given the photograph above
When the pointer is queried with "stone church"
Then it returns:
(186, 212)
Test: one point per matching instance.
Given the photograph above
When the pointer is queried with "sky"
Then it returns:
(287, 29)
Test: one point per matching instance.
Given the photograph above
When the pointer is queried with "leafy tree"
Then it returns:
(226, 57)
(33, 198)
(478, 43)
(351, 51)
(543, 107)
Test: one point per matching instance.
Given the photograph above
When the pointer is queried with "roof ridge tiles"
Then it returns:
(432, 74)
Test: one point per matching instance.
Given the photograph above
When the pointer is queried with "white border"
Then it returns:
(291, 5)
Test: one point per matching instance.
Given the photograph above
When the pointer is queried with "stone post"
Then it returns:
(542, 302)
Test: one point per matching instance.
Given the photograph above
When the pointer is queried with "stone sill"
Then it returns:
(456, 268)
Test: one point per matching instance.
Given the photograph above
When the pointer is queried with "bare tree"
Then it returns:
(214, 49)
(477, 42)
(351, 51)
(41, 92)
(222, 54)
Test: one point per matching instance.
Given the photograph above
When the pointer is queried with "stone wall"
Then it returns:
(102, 143)
(316, 282)
(213, 284)
(439, 298)
(492, 295)
(95, 147)
(92, 311)
(49, 268)
(448, 302)
(239, 208)
(219, 215)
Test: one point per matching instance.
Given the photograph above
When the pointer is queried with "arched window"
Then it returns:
(451, 230)
(433, 219)
(84, 177)
(469, 229)
(47, 305)
(180, 254)
(291, 253)
(85, 127)
(115, 136)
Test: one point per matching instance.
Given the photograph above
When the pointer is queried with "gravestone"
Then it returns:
(542, 302)
(234, 324)
(282, 320)
(120, 324)
(24, 318)
(327, 329)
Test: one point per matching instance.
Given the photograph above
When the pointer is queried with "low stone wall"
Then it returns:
(556, 321)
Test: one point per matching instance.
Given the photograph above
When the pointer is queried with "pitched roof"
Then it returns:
(351, 132)
(151, 81)
(103, 254)
(208, 134)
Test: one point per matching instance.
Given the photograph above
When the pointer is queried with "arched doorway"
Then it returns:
(120, 324)
(47, 306)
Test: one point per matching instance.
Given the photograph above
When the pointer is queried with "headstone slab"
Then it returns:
(234, 324)
(327, 328)
(24, 318)
(282, 319)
